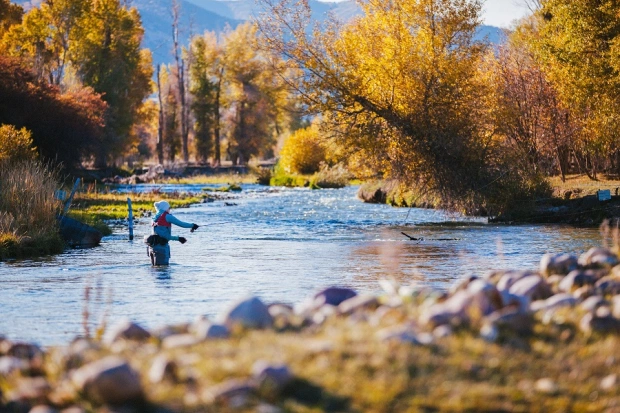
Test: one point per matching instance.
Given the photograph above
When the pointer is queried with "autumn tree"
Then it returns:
(578, 44)
(65, 127)
(529, 114)
(10, 14)
(403, 85)
(99, 41)
(256, 94)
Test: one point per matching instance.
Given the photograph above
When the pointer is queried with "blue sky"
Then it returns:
(502, 12)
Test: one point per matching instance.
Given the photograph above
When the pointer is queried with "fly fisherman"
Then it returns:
(159, 250)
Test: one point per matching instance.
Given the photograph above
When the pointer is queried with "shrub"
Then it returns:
(331, 177)
(28, 209)
(15, 144)
(302, 152)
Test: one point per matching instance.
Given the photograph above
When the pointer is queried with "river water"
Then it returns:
(280, 244)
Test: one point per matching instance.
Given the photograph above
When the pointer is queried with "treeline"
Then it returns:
(404, 91)
(409, 91)
(73, 73)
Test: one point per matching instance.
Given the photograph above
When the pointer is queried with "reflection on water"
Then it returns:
(279, 244)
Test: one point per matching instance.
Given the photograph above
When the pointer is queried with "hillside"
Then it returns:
(198, 16)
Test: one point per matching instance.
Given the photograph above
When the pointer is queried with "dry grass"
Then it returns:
(28, 209)
(581, 185)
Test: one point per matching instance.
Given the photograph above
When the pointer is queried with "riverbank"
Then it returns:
(542, 340)
(574, 202)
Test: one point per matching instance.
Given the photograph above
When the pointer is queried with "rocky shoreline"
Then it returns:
(542, 340)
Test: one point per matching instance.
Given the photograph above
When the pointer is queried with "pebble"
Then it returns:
(546, 386)
(41, 408)
(249, 313)
(554, 302)
(179, 340)
(109, 380)
(607, 286)
(609, 383)
(512, 320)
(592, 303)
(9, 364)
(205, 329)
(333, 296)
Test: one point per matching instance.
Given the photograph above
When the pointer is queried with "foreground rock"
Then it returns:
(555, 329)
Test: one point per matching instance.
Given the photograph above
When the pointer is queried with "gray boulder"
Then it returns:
(560, 264)
(358, 302)
(110, 380)
(534, 287)
(554, 302)
(598, 258)
(333, 296)
(126, 329)
(271, 378)
(249, 313)
(577, 278)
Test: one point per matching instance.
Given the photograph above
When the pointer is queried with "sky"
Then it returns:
(501, 13)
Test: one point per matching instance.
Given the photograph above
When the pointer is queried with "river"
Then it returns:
(280, 244)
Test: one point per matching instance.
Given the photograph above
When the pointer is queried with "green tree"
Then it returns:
(204, 88)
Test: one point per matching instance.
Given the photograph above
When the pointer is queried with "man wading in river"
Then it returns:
(158, 248)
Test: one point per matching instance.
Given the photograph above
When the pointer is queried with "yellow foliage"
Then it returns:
(15, 144)
(303, 152)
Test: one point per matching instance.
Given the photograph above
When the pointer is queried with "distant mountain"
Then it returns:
(198, 16)
(247, 9)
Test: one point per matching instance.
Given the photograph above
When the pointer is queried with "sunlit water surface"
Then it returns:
(280, 244)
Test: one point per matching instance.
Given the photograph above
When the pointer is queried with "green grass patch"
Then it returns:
(95, 208)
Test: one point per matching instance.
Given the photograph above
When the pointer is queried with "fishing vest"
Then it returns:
(161, 221)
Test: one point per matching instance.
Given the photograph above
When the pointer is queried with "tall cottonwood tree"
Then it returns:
(402, 84)
(578, 45)
(256, 94)
(205, 85)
